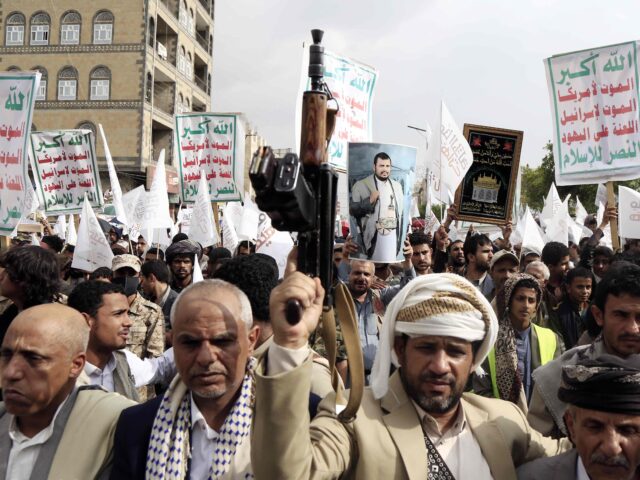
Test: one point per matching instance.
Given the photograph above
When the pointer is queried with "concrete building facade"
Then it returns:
(129, 65)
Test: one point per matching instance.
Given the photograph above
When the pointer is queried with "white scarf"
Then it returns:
(169, 449)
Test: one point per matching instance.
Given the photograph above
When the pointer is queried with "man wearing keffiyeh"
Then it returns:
(200, 427)
(416, 423)
(603, 420)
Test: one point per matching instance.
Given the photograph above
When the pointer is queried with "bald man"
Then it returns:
(49, 428)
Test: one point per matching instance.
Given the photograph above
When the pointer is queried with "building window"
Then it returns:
(179, 104)
(182, 60)
(67, 83)
(209, 84)
(148, 92)
(187, 106)
(189, 67)
(40, 23)
(41, 94)
(70, 28)
(100, 83)
(15, 29)
(87, 125)
(210, 44)
(103, 28)
(152, 32)
(183, 15)
(192, 22)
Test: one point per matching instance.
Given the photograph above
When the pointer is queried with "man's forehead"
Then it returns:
(207, 310)
(25, 338)
(607, 417)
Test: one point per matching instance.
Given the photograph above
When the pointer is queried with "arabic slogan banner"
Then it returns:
(65, 168)
(352, 84)
(211, 144)
(594, 105)
(16, 110)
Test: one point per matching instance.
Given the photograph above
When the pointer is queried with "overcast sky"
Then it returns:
(484, 58)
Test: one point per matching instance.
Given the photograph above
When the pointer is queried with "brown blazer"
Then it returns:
(385, 440)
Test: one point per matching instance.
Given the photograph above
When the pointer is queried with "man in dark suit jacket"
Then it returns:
(154, 280)
(603, 420)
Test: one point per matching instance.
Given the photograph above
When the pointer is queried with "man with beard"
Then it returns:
(478, 252)
(417, 423)
(200, 427)
(566, 318)
(141, 247)
(456, 258)
(181, 256)
(371, 303)
(603, 419)
(377, 202)
(616, 308)
(421, 256)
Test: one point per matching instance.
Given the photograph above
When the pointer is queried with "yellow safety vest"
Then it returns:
(546, 343)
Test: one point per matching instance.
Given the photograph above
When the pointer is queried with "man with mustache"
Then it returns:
(105, 308)
(49, 426)
(200, 427)
(603, 420)
(416, 423)
(181, 257)
(616, 308)
(421, 255)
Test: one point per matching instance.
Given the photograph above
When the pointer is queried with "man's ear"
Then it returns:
(598, 315)
(254, 334)
(90, 320)
(570, 424)
(400, 347)
(77, 364)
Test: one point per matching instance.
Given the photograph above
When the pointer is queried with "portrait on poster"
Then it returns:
(380, 180)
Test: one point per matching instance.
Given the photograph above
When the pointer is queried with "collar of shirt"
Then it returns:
(198, 421)
(17, 437)
(93, 372)
(432, 428)
(581, 472)
(523, 334)
(163, 298)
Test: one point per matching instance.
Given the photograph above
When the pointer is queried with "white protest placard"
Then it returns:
(247, 228)
(17, 96)
(455, 155)
(277, 245)
(60, 228)
(156, 206)
(594, 106)
(92, 248)
(202, 228)
(113, 179)
(210, 144)
(628, 212)
(65, 167)
(352, 85)
(184, 219)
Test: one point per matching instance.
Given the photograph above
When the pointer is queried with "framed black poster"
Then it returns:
(487, 190)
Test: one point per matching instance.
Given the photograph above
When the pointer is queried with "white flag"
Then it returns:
(229, 235)
(133, 203)
(277, 245)
(60, 228)
(202, 228)
(115, 183)
(606, 238)
(601, 195)
(551, 205)
(455, 155)
(581, 212)
(197, 271)
(156, 209)
(531, 238)
(92, 248)
(628, 212)
(72, 235)
(558, 229)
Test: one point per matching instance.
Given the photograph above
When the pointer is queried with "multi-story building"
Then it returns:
(126, 64)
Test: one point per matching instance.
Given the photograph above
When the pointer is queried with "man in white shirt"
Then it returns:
(603, 419)
(200, 428)
(49, 428)
(105, 308)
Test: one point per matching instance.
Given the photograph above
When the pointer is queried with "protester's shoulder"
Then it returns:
(546, 466)
(493, 408)
(99, 401)
(146, 305)
(142, 410)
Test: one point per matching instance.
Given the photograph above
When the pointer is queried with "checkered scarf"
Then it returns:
(169, 448)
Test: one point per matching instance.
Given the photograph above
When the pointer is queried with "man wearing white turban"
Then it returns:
(416, 423)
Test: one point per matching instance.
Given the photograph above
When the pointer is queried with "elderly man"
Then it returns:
(200, 427)
(105, 309)
(49, 428)
(616, 308)
(603, 419)
(540, 272)
(415, 424)
(181, 257)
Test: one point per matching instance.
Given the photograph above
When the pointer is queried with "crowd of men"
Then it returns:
(482, 360)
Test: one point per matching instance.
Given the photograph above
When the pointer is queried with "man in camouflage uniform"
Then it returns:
(146, 335)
